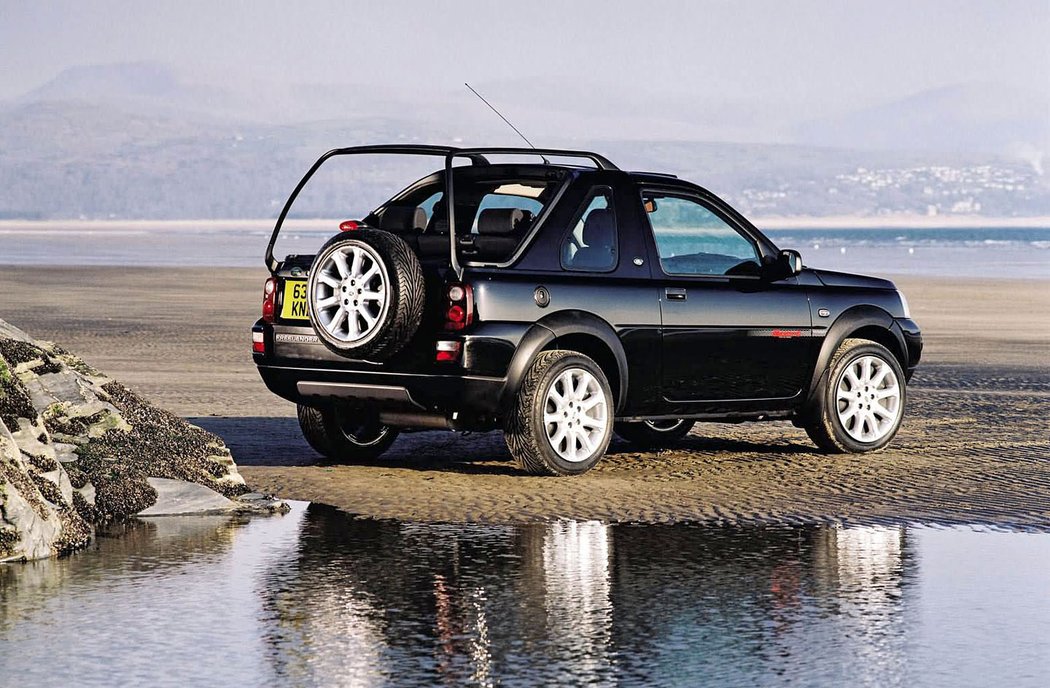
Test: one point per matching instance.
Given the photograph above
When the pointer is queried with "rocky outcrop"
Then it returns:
(78, 448)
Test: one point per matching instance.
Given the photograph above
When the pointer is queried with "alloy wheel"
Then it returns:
(576, 415)
(664, 425)
(868, 399)
(350, 296)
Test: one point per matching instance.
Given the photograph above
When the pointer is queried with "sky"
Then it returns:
(798, 55)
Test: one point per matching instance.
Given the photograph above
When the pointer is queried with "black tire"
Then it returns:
(654, 434)
(826, 428)
(525, 431)
(343, 436)
(399, 317)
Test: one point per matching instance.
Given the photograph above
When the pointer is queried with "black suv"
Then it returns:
(563, 301)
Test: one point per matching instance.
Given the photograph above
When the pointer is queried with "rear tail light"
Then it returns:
(448, 351)
(459, 311)
(269, 299)
(258, 343)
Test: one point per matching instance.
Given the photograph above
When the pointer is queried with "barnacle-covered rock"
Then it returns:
(78, 448)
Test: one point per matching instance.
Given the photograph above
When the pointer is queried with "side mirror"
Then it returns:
(788, 263)
(793, 259)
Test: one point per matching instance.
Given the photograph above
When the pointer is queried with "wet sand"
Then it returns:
(974, 447)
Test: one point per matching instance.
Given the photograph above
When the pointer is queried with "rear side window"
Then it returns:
(508, 196)
(591, 244)
(430, 202)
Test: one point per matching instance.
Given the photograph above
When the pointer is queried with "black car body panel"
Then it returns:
(846, 280)
(717, 347)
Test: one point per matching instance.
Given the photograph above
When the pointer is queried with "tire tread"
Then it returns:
(522, 441)
(320, 428)
(821, 429)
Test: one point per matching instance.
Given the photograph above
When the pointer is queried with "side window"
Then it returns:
(432, 200)
(591, 245)
(530, 206)
(694, 240)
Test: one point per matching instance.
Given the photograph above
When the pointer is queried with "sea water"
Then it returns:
(1017, 253)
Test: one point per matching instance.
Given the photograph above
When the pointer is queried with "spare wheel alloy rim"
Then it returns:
(575, 415)
(351, 293)
(868, 399)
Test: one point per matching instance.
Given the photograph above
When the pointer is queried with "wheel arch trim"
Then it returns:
(565, 326)
(851, 321)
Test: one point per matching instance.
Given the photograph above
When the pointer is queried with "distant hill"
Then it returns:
(135, 141)
(134, 80)
(966, 117)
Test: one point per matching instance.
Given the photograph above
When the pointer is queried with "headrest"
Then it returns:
(499, 220)
(403, 218)
(599, 228)
(438, 219)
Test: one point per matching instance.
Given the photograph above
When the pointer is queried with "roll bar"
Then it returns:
(475, 155)
(601, 162)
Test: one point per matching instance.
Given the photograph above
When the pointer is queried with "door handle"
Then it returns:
(675, 294)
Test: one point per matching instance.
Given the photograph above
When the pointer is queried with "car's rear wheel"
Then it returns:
(654, 433)
(344, 435)
(366, 294)
(861, 402)
(562, 421)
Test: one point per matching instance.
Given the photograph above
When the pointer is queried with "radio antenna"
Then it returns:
(500, 115)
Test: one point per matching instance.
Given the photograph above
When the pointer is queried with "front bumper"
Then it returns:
(912, 336)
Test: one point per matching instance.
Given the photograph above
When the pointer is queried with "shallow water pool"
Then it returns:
(317, 597)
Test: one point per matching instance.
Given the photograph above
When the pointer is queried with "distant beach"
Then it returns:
(1017, 248)
(898, 221)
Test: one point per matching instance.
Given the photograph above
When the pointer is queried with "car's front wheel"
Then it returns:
(654, 434)
(563, 418)
(343, 435)
(861, 402)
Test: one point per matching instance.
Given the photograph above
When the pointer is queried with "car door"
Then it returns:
(587, 266)
(728, 334)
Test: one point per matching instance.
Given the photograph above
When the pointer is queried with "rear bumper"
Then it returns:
(468, 393)
(466, 402)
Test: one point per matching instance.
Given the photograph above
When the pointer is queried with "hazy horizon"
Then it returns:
(170, 110)
(714, 70)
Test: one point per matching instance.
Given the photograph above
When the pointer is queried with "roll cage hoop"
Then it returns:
(476, 156)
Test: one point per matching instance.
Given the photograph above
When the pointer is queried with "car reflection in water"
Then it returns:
(369, 602)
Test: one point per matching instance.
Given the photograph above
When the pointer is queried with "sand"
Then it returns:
(974, 447)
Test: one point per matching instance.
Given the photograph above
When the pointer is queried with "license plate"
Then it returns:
(293, 307)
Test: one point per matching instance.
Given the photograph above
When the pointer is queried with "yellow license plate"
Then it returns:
(293, 307)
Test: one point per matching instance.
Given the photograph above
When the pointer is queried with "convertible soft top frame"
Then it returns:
(475, 155)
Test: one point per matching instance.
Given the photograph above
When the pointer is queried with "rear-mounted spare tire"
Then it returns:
(365, 294)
